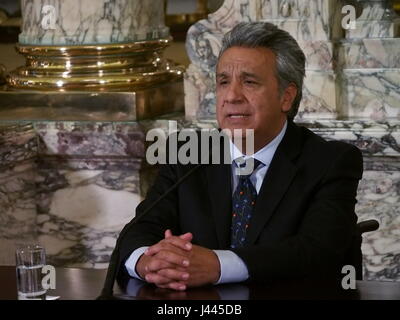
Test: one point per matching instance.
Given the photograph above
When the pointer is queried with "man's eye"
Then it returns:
(223, 82)
(250, 82)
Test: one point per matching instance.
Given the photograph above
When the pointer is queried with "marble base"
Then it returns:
(76, 192)
(369, 53)
(81, 212)
(370, 94)
(319, 55)
(319, 100)
(378, 194)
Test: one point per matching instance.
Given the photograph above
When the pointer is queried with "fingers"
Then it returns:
(188, 236)
(173, 244)
(169, 260)
(164, 282)
(167, 233)
(165, 259)
(174, 274)
(156, 264)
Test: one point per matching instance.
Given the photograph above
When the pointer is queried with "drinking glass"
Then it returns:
(30, 259)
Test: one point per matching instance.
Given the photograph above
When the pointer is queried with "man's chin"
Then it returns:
(238, 132)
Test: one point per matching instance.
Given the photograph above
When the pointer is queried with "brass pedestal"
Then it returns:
(116, 82)
(92, 106)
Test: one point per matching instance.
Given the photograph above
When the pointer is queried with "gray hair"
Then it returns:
(290, 59)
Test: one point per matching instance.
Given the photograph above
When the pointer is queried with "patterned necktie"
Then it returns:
(243, 203)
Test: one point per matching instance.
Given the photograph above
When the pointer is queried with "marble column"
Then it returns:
(89, 47)
(78, 22)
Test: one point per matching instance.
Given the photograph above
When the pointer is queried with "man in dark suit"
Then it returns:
(293, 217)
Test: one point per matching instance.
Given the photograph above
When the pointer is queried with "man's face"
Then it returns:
(248, 95)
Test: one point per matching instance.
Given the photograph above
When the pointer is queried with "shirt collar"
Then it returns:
(265, 154)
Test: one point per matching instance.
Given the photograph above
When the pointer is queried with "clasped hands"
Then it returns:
(175, 263)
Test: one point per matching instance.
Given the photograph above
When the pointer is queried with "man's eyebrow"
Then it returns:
(222, 75)
(245, 74)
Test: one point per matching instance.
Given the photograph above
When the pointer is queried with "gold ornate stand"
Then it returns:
(111, 67)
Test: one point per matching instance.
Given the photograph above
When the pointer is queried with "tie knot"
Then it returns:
(245, 168)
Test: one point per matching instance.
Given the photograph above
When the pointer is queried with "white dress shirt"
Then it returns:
(233, 269)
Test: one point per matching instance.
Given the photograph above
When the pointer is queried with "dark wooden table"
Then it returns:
(86, 284)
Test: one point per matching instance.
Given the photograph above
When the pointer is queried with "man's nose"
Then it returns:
(234, 93)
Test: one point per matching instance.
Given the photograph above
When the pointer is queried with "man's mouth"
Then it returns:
(238, 115)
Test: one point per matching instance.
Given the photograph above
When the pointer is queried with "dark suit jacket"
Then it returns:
(304, 224)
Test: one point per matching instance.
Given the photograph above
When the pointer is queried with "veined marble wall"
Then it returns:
(18, 149)
(378, 192)
(71, 187)
(77, 22)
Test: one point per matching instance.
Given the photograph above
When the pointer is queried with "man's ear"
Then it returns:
(288, 96)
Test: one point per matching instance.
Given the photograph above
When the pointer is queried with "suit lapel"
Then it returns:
(280, 174)
(220, 194)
